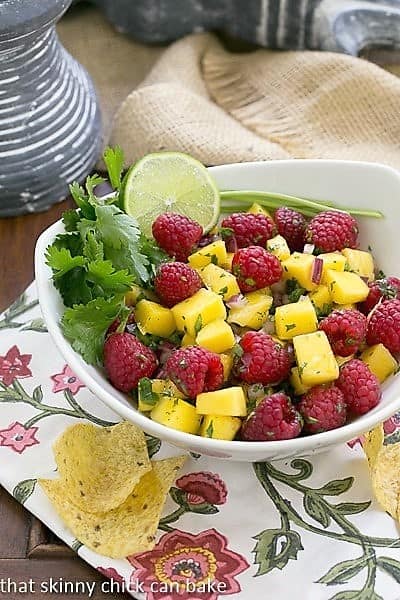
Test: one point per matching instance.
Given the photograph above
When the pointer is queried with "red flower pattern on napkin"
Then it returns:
(66, 380)
(203, 487)
(14, 365)
(187, 566)
(18, 438)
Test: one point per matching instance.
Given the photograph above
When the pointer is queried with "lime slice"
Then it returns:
(170, 182)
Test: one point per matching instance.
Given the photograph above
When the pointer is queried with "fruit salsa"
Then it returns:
(258, 325)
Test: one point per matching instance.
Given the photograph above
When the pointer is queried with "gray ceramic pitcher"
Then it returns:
(49, 116)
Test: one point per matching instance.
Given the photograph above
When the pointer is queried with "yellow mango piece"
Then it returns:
(359, 262)
(214, 253)
(154, 318)
(254, 312)
(216, 336)
(299, 267)
(257, 209)
(278, 246)
(218, 427)
(188, 340)
(219, 281)
(380, 361)
(150, 390)
(321, 298)
(315, 359)
(227, 363)
(197, 311)
(346, 287)
(230, 402)
(228, 263)
(298, 387)
(341, 360)
(177, 414)
(137, 293)
(295, 319)
(332, 261)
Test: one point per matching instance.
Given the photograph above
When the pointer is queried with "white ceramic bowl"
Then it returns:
(359, 185)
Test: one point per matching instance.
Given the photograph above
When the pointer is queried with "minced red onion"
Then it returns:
(236, 301)
(255, 391)
(279, 287)
(317, 269)
(269, 327)
(231, 244)
(308, 248)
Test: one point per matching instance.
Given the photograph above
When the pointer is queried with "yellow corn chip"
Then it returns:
(373, 443)
(100, 466)
(127, 529)
(386, 479)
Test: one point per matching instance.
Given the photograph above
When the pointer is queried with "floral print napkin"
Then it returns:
(307, 526)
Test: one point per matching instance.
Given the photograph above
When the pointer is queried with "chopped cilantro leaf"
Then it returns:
(114, 161)
(85, 326)
(198, 324)
(294, 290)
(107, 280)
(210, 430)
(61, 261)
(290, 326)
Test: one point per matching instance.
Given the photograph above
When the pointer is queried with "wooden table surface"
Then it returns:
(28, 550)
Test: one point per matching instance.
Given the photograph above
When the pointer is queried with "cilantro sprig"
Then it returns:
(101, 255)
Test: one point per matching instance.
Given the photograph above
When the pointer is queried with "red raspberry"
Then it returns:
(332, 230)
(292, 226)
(176, 281)
(194, 370)
(274, 418)
(255, 268)
(346, 330)
(387, 288)
(360, 387)
(323, 408)
(384, 325)
(248, 229)
(263, 360)
(176, 234)
(126, 360)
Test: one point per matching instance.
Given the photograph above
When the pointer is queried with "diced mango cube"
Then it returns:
(278, 246)
(219, 281)
(230, 402)
(197, 311)
(336, 306)
(137, 293)
(321, 298)
(177, 414)
(315, 359)
(299, 267)
(295, 319)
(218, 427)
(228, 263)
(214, 253)
(227, 363)
(154, 318)
(342, 360)
(380, 361)
(333, 261)
(359, 262)
(254, 312)
(216, 336)
(346, 287)
(298, 387)
(257, 209)
(150, 391)
(188, 340)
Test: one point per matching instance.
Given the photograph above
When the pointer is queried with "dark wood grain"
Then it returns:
(28, 550)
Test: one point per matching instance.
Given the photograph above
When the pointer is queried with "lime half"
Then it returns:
(170, 182)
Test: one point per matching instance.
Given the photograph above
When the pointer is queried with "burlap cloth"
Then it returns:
(222, 107)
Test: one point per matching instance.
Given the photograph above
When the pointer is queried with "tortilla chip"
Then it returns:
(127, 529)
(386, 479)
(101, 465)
(372, 444)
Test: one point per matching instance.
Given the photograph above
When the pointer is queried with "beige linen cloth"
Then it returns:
(197, 97)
